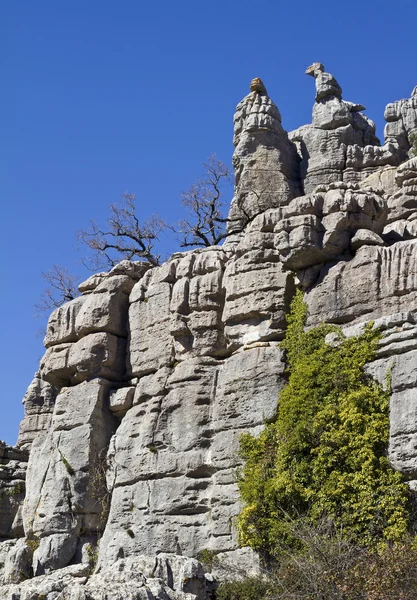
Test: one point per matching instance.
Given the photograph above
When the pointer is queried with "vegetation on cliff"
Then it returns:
(322, 504)
(326, 452)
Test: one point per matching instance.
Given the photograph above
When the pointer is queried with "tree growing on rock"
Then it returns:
(205, 224)
(61, 288)
(125, 237)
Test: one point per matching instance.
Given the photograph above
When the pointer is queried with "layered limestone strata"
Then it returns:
(340, 144)
(127, 454)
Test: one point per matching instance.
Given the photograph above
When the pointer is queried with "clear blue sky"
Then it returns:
(101, 97)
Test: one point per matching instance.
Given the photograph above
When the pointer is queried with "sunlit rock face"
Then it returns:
(340, 144)
(265, 160)
(131, 430)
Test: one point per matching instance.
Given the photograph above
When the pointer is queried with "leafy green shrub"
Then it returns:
(92, 553)
(70, 470)
(250, 588)
(15, 490)
(33, 543)
(326, 452)
(208, 558)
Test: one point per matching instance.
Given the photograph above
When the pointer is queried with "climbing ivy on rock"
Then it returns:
(326, 452)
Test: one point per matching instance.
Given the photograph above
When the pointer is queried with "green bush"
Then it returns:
(92, 553)
(250, 588)
(208, 558)
(326, 452)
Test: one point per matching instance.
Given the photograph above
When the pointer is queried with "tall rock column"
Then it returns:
(265, 161)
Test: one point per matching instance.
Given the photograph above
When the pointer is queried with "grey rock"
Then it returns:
(151, 345)
(401, 117)
(150, 378)
(90, 284)
(95, 355)
(61, 323)
(265, 160)
(106, 310)
(63, 476)
(39, 402)
(364, 237)
(383, 179)
(185, 580)
(121, 400)
(340, 144)
(376, 282)
(257, 296)
(13, 464)
(400, 230)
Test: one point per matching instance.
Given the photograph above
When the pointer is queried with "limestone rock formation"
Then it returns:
(340, 144)
(265, 160)
(124, 470)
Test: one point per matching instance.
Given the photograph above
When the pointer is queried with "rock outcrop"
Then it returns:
(124, 470)
(340, 144)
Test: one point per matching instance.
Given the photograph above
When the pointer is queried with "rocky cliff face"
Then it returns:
(127, 453)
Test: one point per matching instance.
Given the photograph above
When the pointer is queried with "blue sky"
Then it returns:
(101, 97)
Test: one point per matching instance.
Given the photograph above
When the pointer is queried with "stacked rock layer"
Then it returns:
(127, 455)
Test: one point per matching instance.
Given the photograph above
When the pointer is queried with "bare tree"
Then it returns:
(125, 237)
(206, 225)
(61, 287)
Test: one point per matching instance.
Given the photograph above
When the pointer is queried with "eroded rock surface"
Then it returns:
(149, 377)
(340, 144)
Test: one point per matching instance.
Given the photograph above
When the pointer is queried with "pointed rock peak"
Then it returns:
(257, 85)
(314, 69)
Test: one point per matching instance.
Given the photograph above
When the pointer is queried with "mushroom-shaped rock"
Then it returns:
(326, 84)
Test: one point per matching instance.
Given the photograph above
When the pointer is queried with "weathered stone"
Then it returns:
(257, 296)
(149, 380)
(151, 345)
(106, 309)
(364, 237)
(340, 144)
(95, 355)
(383, 179)
(61, 324)
(375, 282)
(39, 402)
(265, 161)
(121, 400)
(64, 478)
(92, 282)
(13, 463)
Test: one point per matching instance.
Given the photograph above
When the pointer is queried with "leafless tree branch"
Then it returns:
(125, 237)
(61, 288)
(206, 224)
